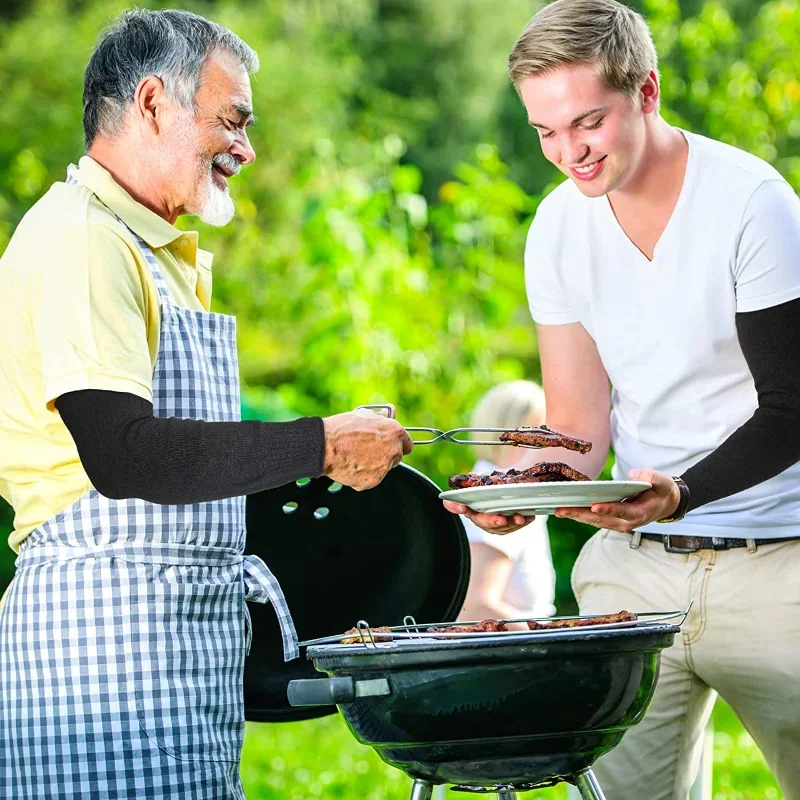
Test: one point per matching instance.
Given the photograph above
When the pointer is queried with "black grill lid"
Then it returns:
(341, 556)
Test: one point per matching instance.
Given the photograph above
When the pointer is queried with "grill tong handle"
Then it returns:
(388, 410)
(334, 691)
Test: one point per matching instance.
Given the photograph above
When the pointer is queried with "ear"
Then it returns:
(650, 93)
(149, 103)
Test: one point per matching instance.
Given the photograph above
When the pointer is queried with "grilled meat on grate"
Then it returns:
(622, 616)
(487, 626)
(538, 473)
(353, 636)
(544, 437)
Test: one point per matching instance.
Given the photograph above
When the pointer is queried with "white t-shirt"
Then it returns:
(532, 583)
(665, 329)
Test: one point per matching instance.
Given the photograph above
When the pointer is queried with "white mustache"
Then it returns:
(227, 161)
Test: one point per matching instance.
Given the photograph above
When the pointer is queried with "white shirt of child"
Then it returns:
(665, 329)
(531, 585)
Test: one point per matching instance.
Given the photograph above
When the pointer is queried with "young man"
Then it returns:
(667, 268)
(122, 636)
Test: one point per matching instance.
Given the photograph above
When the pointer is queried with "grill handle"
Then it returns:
(334, 691)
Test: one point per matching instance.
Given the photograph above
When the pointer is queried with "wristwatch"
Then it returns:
(680, 512)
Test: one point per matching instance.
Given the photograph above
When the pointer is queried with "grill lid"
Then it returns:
(340, 554)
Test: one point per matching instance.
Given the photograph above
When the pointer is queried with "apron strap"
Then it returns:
(182, 555)
(261, 586)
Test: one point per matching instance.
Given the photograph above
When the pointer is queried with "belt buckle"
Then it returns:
(719, 543)
(667, 539)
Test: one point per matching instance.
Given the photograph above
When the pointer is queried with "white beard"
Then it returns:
(217, 207)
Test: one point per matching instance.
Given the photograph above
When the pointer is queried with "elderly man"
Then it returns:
(122, 637)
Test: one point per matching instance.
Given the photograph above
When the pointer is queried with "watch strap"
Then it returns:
(680, 512)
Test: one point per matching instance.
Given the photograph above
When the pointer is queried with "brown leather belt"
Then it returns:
(691, 544)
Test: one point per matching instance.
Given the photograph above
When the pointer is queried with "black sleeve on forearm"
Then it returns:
(127, 452)
(769, 442)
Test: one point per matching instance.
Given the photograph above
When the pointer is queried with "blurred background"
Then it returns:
(377, 250)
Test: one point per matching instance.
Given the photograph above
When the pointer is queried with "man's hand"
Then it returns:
(491, 523)
(635, 512)
(361, 447)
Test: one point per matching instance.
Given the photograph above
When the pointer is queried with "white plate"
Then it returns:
(542, 498)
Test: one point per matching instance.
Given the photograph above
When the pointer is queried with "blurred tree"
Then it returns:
(446, 63)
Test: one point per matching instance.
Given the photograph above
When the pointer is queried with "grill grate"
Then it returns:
(411, 630)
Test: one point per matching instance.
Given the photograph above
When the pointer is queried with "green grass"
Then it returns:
(739, 769)
(320, 759)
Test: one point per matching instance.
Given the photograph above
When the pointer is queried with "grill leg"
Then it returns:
(507, 794)
(587, 785)
(421, 790)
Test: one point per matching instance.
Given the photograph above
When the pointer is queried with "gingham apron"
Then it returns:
(123, 635)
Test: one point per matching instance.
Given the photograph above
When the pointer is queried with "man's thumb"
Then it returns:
(641, 475)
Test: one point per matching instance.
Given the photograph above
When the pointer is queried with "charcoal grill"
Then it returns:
(500, 712)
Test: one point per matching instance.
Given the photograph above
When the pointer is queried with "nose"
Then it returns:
(242, 150)
(572, 151)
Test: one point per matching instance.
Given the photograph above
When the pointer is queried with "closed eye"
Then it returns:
(595, 126)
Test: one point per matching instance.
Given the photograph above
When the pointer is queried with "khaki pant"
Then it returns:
(741, 640)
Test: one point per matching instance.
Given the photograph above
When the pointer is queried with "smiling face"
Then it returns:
(202, 150)
(592, 133)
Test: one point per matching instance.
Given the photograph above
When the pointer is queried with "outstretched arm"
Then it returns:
(578, 404)
(128, 452)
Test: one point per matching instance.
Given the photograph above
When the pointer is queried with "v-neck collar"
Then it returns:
(663, 238)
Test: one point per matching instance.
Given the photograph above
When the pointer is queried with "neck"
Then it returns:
(661, 165)
(134, 175)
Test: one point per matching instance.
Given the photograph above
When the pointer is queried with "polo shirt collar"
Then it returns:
(155, 230)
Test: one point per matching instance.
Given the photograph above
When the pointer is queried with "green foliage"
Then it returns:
(736, 83)
(446, 63)
(377, 251)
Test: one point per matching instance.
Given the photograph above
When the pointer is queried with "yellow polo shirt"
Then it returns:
(79, 310)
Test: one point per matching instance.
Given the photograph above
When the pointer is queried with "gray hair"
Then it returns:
(172, 45)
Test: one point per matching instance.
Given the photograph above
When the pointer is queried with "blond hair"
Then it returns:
(507, 405)
(602, 32)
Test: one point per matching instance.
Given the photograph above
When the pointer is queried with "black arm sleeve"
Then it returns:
(769, 442)
(127, 452)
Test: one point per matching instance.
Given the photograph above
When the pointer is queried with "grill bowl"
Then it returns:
(518, 710)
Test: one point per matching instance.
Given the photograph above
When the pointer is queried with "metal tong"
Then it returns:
(449, 436)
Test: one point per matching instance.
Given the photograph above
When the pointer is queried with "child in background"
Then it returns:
(512, 574)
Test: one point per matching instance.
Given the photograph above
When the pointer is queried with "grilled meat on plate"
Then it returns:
(538, 473)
